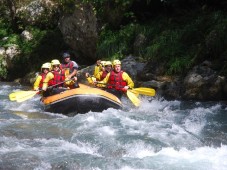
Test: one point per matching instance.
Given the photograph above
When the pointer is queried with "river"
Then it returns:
(160, 134)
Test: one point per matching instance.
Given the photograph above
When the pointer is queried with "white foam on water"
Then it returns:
(130, 168)
(47, 147)
(155, 105)
(108, 131)
(206, 157)
(31, 105)
(215, 157)
(43, 166)
(139, 150)
(196, 120)
(157, 135)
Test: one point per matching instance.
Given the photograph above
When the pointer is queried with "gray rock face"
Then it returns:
(37, 11)
(11, 52)
(80, 30)
(203, 83)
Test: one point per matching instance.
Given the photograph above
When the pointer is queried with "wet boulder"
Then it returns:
(79, 30)
(203, 83)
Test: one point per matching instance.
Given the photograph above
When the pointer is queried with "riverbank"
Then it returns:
(177, 50)
(201, 83)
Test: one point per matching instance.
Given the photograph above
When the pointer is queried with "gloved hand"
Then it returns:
(95, 82)
(68, 77)
(87, 75)
(75, 78)
(125, 89)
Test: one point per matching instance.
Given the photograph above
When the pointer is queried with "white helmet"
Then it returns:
(108, 63)
(46, 65)
(55, 62)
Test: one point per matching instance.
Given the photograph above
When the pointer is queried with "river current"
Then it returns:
(160, 134)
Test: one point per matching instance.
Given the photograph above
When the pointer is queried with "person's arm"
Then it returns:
(37, 82)
(130, 83)
(96, 70)
(72, 74)
(99, 75)
(90, 79)
(49, 76)
(75, 68)
(104, 82)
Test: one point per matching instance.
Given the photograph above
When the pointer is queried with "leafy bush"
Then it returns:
(116, 44)
(179, 65)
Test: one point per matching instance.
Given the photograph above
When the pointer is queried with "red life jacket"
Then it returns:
(104, 73)
(59, 77)
(50, 83)
(68, 65)
(116, 81)
(41, 81)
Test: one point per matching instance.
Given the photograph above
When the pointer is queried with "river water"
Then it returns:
(160, 134)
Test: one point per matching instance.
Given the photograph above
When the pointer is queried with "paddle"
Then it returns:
(135, 92)
(132, 95)
(144, 91)
(133, 98)
(13, 95)
(140, 90)
(25, 96)
(21, 96)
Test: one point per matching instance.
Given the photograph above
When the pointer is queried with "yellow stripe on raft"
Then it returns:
(83, 90)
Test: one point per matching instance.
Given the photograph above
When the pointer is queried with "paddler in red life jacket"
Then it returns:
(117, 81)
(107, 69)
(45, 69)
(70, 68)
(102, 74)
(56, 79)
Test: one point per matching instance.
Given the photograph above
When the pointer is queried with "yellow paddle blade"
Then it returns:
(26, 96)
(13, 96)
(21, 96)
(135, 92)
(145, 91)
(133, 98)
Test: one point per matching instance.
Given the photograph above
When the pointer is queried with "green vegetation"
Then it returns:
(176, 33)
(116, 44)
(45, 45)
(172, 41)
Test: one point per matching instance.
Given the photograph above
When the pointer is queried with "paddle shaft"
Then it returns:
(111, 85)
(132, 97)
(141, 90)
(57, 84)
(25, 94)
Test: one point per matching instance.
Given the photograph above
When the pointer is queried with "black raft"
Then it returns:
(81, 100)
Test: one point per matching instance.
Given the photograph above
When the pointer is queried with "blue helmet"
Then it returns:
(65, 55)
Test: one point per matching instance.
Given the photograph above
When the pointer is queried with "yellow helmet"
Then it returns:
(108, 63)
(115, 62)
(55, 62)
(46, 65)
(103, 63)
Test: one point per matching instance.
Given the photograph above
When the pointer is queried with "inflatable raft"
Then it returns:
(81, 100)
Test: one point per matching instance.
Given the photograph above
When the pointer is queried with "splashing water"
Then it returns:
(159, 134)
